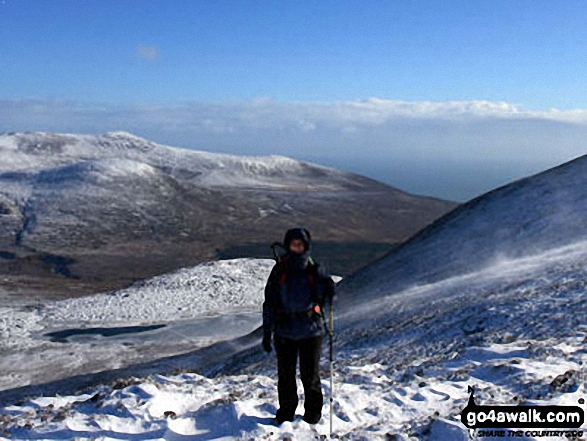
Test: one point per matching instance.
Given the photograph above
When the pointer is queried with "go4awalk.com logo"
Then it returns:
(522, 421)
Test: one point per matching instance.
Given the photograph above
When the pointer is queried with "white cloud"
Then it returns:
(373, 127)
(148, 52)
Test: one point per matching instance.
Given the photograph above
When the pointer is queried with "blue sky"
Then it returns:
(529, 52)
(105, 58)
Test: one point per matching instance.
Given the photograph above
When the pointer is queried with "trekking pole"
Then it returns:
(331, 356)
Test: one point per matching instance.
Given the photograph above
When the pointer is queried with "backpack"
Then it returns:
(311, 271)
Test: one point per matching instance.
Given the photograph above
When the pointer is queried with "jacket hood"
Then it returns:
(297, 233)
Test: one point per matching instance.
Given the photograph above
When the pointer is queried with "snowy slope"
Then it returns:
(217, 287)
(526, 217)
(509, 331)
(512, 323)
(171, 314)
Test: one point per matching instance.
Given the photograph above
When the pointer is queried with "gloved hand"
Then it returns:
(266, 343)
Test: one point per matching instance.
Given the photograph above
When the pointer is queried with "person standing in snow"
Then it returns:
(295, 294)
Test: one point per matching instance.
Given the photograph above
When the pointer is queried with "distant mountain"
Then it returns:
(81, 213)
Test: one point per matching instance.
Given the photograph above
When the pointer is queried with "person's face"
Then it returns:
(297, 246)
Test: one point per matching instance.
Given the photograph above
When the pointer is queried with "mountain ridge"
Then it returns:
(114, 208)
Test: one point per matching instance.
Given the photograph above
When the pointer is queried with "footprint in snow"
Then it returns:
(338, 412)
(444, 396)
(394, 400)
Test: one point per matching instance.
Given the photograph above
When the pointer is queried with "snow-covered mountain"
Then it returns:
(83, 213)
(526, 217)
(120, 154)
(511, 322)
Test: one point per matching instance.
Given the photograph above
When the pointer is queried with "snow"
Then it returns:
(166, 315)
(121, 167)
(120, 152)
(491, 296)
(218, 287)
(197, 305)
(99, 171)
(524, 218)
(16, 326)
(507, 331)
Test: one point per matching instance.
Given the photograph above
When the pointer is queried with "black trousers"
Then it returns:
(308, 350)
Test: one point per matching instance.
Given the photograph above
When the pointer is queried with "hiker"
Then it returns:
(295, 294)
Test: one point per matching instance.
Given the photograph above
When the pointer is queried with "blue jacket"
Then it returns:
(284, 305)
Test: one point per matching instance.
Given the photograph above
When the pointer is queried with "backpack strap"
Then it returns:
(283, 269)
(282, 262)
(312, 271)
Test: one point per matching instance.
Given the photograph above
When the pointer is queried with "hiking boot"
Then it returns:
(312, 418)
(280, 417)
